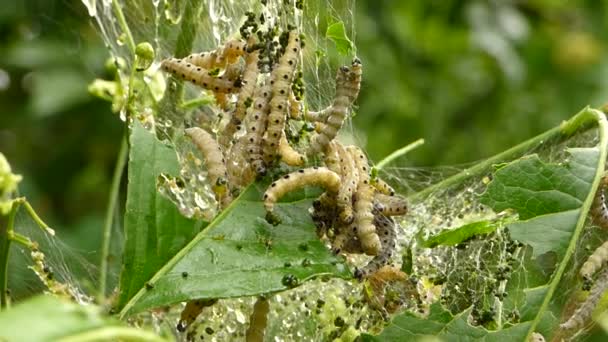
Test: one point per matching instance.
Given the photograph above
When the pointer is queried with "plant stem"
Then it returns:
(564, 130)
(398, 153)
(35, 217)
(22, 240)
(122, 22)
(110, 211)
(579, 121)
(6, 226)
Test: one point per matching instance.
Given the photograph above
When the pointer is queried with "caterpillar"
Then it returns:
(295, 107)
(323, 214)
(233, 49)
(320, 176)
(216, 164)
(282, 76)
(218, 58)
(386, 229)
(348, 82)
(346, 239)
(198, 76)
(350, 180)
(583, 313)
(244, 97)
(258, 117)
(288, 155)
(363, 198)
(331, 158)
(595, 262)
(258, 321)
(319, 116)
(240, 172)
(382, 186)
(390, 205)
(191, 311)
(599, 209)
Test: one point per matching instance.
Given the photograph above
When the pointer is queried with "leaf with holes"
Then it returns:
(154, 229)
(240, 254)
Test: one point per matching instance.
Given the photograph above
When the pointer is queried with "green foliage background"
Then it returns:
(470, 77)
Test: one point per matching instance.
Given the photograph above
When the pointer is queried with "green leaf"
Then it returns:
(532, 187)
(154, 228)
(47, 318)
(548, 197)
(446, 327)
(337, 34)
(463, 233)
(240, 254)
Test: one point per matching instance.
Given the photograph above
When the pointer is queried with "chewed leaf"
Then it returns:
(533, 188)
(337, 34)
(155, 230)
(240, 254)
(443, 325)
(458, 235)
(548, 197)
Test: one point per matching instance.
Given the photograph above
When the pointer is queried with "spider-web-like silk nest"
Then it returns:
(322, 308)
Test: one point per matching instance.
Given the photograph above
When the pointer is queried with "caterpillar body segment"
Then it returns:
(288, 155)
(382, 187)
(197, 75)
(366, 231)
(205, 60)
(346, 239)
(295, 107)
(386, 230)
(282, 76)
(219, 58)
(599, 209)
(390, 205)
(364, 206)
(324, 214)
(258, 321)
(348, 82)
(215, 162)
(233, 49)
(319, 116)
(595, 262)
(332, 160)
(192, 310)
(350, 180)
(245, 97)
(256, 126)
(315, 176)
(583, 313)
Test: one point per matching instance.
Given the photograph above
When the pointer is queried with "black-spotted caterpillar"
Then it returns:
(282, 77)
(199, 76)
(348, 82)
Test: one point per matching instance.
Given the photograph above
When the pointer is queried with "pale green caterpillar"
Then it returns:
(215, 162)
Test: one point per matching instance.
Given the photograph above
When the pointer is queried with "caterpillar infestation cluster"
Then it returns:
(257, 82)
